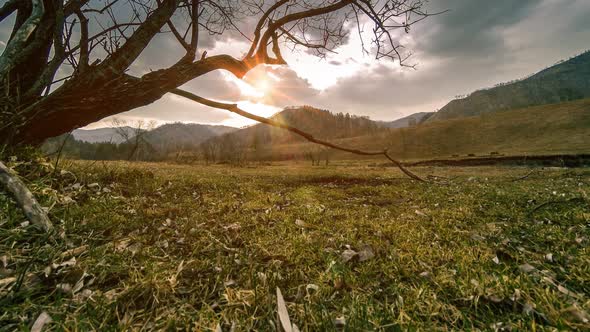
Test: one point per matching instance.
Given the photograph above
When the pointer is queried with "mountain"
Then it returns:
(155, 144)
(320, 123)
(264, 142)
(182, 136)
(566, 81)
(102, 134)
(407, 121)
(562, 128)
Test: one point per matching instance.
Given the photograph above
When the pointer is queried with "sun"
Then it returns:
(262, 85)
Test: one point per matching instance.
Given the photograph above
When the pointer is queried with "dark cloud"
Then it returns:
(475, 45)
(470, 28)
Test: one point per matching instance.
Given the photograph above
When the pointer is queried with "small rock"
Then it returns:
(64, 288)
(420, 213)
(40, 322)
(93, 185)
(300, 223)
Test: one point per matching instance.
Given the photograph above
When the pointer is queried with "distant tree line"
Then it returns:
(257, 143)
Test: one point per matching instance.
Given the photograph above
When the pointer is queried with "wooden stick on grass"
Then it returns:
(33, 211)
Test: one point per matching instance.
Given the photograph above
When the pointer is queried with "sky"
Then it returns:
(475, 44)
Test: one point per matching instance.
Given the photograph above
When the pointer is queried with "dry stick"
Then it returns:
(235, 109)
(33, 211)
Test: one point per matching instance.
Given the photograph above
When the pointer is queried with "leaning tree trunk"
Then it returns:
(95, 94)
(77, 103)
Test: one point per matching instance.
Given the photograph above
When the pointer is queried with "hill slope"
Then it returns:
(548, 129)
(183, 136)
(407, 121)
(320, 123)
(562, 128)
(566, 81)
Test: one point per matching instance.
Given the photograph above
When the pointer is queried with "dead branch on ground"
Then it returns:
(32, 209)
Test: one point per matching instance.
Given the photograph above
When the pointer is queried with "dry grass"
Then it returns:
(177, 247)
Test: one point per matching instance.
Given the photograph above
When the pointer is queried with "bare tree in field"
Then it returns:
(209, 151)
(96, 44)
(133, 134)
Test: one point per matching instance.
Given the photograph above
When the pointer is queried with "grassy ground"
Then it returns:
(156, 246)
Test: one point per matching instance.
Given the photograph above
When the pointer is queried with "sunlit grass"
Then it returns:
(173, 246)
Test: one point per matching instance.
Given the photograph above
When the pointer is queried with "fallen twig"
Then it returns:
(32, 209)
(571, 200)
(524, 176)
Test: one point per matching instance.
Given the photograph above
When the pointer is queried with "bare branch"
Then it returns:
(260, 24)
(124, 56)
(274, 26)
(194, 12)
(17, 43)
(178, 37)
(84, 50)
(8, 8)
(235, 109)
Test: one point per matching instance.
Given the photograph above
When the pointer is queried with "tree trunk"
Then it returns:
(77, 103)
(96, 94)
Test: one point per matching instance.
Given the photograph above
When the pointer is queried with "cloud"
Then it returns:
(476, 44)
(470, 28)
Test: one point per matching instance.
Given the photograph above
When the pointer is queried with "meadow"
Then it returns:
(142, 246)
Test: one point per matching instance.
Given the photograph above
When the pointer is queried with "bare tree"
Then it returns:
(313, 153)
(94, 42)
(209, 151)
(97, 41)
(133, 134)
